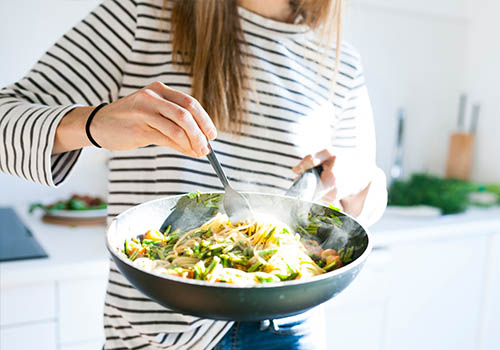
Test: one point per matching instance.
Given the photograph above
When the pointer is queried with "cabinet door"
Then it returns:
(437, 294)
(39, 336)
(27, 303)
(490, 332)
(355, 318)
(81, 306)
(92, 345)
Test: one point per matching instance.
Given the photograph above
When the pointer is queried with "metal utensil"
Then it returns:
(475, 115)
(397, 167)
(235, 204)
(187, 214)
(461, 112)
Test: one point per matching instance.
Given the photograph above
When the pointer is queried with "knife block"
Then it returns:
(460, 155)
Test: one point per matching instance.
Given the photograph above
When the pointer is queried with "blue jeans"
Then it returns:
(301, 332)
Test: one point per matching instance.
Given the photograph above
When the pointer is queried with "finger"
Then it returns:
(330, 196)
(185, 120)
(327, 175)
(169, 129)
(192, 105)
(312, 160)
(158, 138)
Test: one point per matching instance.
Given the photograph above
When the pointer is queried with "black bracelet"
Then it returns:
(89, 120)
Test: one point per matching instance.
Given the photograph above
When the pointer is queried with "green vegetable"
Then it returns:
(74, 203)
(199, 270)
(268, 252)
(333, 208)
(34, 206)
(270, 233)
(215, 261)
(330, 266)
(255, 267)
(266, 277)
(291, 275)
(346, 255)
(450, 195)
(77, 204)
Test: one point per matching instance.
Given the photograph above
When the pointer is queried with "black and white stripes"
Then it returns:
(124, 45)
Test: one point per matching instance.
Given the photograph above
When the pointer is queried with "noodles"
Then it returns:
(244, 254)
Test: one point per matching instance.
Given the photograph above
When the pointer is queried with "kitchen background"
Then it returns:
(418, 55)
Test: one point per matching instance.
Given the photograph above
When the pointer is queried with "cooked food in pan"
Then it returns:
(244, 254)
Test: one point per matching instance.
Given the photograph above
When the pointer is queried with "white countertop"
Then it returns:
(80, 252)
(397, 228)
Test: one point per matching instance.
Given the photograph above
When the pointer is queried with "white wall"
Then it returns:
(482, 81)
(421, 55)
(37, 25)
(417, 54)
(413, 59)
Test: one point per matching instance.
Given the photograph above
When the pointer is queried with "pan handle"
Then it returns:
(306, 186)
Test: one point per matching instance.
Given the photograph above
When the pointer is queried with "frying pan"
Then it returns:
(226, 301)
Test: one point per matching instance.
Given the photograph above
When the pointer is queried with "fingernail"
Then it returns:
(212, 134)
(204, 150)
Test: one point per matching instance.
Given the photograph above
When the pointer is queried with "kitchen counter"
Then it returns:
(397, 228)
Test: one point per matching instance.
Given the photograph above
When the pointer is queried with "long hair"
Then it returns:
(208, 40)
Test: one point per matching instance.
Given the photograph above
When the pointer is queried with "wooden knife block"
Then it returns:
(460, 156)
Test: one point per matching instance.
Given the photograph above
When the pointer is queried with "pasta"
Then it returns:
(262, 251)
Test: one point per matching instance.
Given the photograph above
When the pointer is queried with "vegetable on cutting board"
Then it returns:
(76, 203)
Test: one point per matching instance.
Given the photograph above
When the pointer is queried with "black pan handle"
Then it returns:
(307, 184)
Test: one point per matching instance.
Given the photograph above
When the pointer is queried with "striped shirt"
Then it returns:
(122, 46)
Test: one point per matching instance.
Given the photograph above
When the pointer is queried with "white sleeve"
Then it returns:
(355, 146)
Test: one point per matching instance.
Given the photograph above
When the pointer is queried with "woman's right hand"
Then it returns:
(154, 115)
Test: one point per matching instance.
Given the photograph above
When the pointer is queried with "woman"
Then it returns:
(256, 77)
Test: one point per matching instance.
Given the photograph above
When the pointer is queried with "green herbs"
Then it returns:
(449, 195)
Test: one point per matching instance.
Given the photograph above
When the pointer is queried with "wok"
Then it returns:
(225, 301)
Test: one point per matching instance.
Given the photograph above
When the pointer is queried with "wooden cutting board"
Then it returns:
(74, 221)
(460, 156)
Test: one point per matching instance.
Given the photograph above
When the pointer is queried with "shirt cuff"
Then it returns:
(59, 166)
(375, 201)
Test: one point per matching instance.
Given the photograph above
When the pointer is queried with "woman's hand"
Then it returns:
(154, 115)
(328, 189)
(352, 204)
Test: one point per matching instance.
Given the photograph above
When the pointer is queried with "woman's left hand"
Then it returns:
(325, 158)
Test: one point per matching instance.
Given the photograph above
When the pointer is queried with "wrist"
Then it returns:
(70, 133)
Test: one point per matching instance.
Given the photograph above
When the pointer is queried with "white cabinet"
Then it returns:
(39, 336)
(93, 345)
(81, 306)
(436, 295)
(355, 318)
(490, 335)
(65, 315)
(27, 303)
(424, 294)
